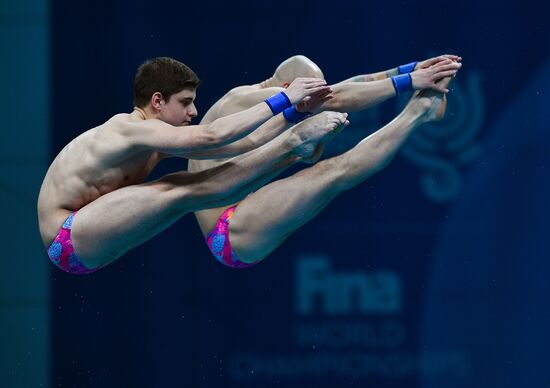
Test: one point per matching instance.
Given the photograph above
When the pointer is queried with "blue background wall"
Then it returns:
(24, 157)
(448, 241)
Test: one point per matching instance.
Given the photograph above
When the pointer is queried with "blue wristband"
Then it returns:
(278, 103)
(408, 68)
(293, 116)
(402, 83)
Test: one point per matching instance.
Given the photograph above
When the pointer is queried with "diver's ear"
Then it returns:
(157, 101)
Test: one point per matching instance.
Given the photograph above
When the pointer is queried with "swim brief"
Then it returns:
(218, 242)
(62, 253)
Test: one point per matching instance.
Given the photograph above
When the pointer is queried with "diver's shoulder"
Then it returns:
(121, 117)
(243, 89)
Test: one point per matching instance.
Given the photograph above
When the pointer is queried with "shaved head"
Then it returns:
(294, 67)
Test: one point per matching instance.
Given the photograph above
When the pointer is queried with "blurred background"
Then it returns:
(433, 273)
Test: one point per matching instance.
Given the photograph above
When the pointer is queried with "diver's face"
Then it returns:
(180, 108)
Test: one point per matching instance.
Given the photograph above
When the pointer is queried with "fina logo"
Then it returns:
(441, 148)
(321, 289)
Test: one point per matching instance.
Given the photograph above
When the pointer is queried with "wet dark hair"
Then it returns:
(164, 75)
